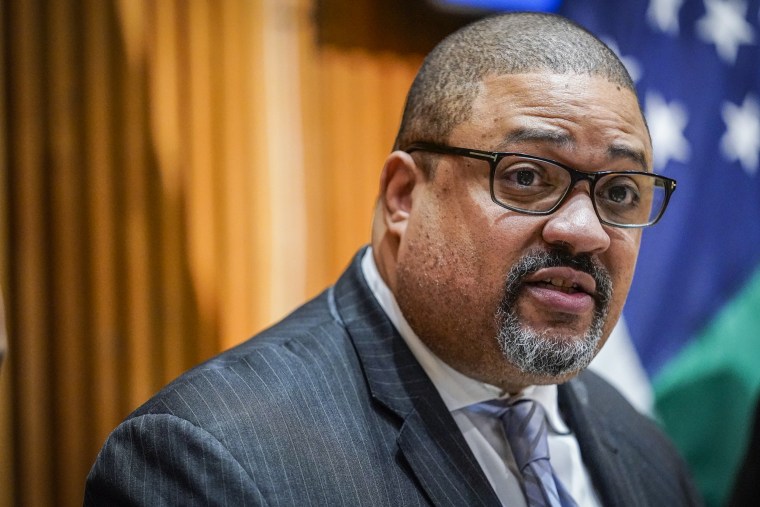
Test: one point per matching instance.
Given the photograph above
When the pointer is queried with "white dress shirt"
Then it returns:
(483, 433)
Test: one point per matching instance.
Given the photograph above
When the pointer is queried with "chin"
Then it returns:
(556, 379)
(548, 356)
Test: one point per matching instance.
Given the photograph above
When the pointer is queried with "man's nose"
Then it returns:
(576, 225)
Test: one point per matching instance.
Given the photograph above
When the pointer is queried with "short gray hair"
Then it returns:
(444, 89)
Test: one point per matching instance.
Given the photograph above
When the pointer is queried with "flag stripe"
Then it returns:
(693, 308)
(715, 381)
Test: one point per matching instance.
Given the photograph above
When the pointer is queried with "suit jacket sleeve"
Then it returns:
(161, 459)
(327, 407)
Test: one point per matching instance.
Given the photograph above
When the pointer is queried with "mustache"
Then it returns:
(559, 257)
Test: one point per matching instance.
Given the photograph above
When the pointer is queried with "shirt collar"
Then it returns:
(456, 389)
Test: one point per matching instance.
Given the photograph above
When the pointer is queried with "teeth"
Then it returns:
(561, 283)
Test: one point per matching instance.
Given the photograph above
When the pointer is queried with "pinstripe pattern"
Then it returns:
(327, 408)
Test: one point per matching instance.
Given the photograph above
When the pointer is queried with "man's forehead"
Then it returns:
(555, 109)
(552, 86)
(615, 150)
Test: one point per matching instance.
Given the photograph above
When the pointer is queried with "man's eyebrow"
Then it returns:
(618, 151)
(564, 139)
(556, 137)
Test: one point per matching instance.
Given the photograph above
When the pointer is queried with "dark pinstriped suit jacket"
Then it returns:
(329, 407)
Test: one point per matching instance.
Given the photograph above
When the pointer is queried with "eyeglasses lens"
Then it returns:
(531, 185)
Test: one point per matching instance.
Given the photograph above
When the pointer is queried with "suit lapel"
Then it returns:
(442, 461)
(597, 441)
(428, 439)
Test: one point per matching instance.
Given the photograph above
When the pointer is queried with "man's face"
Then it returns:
(482, 285)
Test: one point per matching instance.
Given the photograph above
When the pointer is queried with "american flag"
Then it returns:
(694, 308)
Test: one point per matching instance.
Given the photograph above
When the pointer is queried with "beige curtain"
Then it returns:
(176, 175)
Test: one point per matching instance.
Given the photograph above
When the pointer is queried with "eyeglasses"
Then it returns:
(539, 186)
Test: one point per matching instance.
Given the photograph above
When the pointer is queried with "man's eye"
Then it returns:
(621, 191)
(619, 194)
(524, 177)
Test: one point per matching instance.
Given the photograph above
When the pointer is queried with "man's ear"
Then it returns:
(399, 177)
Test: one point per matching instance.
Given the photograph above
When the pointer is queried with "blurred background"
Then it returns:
(178, 174)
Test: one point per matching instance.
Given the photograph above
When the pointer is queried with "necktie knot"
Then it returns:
(524, 423)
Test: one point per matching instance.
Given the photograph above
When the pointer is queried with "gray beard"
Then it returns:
(547, 353)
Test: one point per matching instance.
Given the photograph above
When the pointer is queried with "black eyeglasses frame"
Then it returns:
(494, 157)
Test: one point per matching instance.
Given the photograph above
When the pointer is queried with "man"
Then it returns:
(491, 278)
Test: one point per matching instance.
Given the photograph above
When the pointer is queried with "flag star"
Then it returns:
(667, 122)
(663, 15)
(631, 64)
(742, 138)
(724, 25)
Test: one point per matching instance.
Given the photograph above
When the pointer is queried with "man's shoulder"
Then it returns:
(300, 357)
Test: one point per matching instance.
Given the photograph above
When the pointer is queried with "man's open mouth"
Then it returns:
(563, 279)
(560, 285)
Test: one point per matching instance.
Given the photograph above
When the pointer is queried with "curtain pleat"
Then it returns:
(176, 176)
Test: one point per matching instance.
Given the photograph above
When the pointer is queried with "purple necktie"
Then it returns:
(524, 424)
